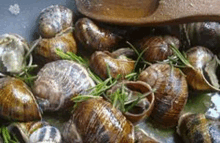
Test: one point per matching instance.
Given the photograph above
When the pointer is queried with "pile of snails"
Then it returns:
(157, 92)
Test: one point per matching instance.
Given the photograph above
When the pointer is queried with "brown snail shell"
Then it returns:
(144, 107)
(202, 76)
(58, 82)
(13, 50)
(54, 19)
(17, 101)
(46, 47)
(97, 121)
(157, 48)
(95, 38)
(194, 128)
(118, 64)
(171, 92)
(205, 34)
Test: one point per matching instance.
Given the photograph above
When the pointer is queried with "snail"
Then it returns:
(35, 132)
(171, 92)
(132, 89)
(58, 82)
(157, 48)
(201, 76)
(95, 38)
(14, 49)
(55, 28)
(17, 101)
(97, 121)
(118, 64)
(195, 128)
(204, 34)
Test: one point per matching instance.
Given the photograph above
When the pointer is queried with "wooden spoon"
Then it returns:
(150, 12)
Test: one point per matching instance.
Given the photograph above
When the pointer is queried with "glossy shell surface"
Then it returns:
(117, 64)
(59, 81)
(13, 48)
(54, 19)
(171, 92)
(97, 121)
(17, 101)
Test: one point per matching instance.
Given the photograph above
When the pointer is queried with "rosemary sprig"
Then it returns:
(7, 136)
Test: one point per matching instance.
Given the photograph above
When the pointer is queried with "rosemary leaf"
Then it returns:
(81, 98)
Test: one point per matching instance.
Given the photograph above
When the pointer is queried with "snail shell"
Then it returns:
(58, 82)
(46, 47)
(54, 19)
(95, 38)
(142, 137)
(157, 48)
(202, 76)
(194, 128)
(97, 121)
(171, 92)
(36, 132)
(118, 64)
(17, 101)
(13, 48)
(202, 34)
(144, 107)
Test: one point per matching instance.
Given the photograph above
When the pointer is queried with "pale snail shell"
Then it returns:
(58, 82)
(171, 92)
(13, 49)
(97, 121)
(17, 101)
(54, 19)
(118, 64)
(204, 65)
(36, 132)
(55, 28)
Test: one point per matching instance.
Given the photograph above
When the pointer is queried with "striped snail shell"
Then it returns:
(157, 48)
(55, 28)
(54, 19)
(58, 82)
(205, 34)
(97, 121)
(13, 49)
(195, 128)
(142, 137)
(118, 64)
(144, 107)
(95, 38)
(202, 76)
(17, 101)
(35, 132)
(171, 92)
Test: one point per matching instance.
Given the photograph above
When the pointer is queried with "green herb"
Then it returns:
(7, 137)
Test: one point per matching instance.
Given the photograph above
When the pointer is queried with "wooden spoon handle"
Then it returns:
(164, 11)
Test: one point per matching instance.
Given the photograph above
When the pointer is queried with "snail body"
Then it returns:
(55, 28)
(13, 50)
(17, 101)
(157, 48)
(171, 92)
(204, 65)
(95, 38)
(58, 82)
(118, 64)
(97, 121)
